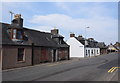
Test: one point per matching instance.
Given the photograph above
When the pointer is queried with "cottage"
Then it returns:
(112, 48)
(117, 45)
(103, 47)
(23, 47)
(81, 47)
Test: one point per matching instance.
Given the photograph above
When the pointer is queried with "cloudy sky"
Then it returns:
(101, 17)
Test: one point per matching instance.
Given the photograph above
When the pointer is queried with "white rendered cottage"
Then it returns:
(81, 47)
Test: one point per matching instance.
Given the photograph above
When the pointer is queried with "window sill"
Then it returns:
(21, 61)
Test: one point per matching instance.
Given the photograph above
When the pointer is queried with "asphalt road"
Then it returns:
(87, 69)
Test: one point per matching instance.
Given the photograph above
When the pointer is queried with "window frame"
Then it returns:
(86, 52)
(92, 51)
(14, 32)
(23, 56)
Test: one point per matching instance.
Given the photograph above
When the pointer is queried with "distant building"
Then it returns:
(103, 47)
(117, 45)
(113, 48)
(23, 47)
(81, 47)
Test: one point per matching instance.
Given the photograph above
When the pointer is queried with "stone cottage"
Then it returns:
(23, 46)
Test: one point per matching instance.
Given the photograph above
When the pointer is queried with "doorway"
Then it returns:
(54, 55)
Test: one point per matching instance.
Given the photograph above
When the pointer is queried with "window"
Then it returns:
(19, 35)
(14, 34)
(21, 54)
(89, 52)
(97, 52)
(92, 52)
(86, 52)
(60, 41)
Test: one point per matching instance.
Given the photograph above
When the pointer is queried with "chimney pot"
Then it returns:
(55, 31)
(72, 35)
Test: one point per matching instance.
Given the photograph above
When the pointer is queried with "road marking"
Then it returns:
(112, 69)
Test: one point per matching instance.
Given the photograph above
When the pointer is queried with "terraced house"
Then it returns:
(23, 47)
(82, 47)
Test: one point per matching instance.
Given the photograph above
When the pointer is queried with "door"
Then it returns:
(54, 55)
(43, 54)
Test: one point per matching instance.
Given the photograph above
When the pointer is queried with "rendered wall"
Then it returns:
(76, 48)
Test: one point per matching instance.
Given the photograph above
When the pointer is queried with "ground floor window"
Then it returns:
(89, 52)
(21, 54)
(92, 52)
(97, 52)
(86, 52)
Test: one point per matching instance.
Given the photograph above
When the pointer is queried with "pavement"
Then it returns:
(99, 68)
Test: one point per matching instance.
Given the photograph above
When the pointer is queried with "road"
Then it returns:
(87, 69)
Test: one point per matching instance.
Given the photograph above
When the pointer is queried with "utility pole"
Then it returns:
(86, 43)
(86, 35)
(86, 31)
(11, 13)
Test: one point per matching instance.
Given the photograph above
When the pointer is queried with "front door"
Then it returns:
(43, 54)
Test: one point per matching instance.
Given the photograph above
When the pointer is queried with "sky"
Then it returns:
(101, 17)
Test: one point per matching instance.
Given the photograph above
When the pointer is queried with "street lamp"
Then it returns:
(11, 13)
(86, 43)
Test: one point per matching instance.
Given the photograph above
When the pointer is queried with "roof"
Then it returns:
(91, 43)
(57, 35)
(101, 45)
(113, 47)
(82, 40)
(33, 36)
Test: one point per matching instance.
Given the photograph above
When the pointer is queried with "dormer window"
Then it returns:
(17, 34)
(14, 34)
(60, 41)
(15, 30)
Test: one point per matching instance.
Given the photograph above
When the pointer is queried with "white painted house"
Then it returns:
(81, 47)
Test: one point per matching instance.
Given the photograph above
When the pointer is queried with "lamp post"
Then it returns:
(11, 13)
(86, 35)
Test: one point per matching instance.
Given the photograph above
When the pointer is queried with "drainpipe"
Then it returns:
(68, 53)
(32, 53)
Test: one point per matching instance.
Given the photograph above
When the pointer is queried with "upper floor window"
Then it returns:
(60, 41)
(17, 34)
(14, 34)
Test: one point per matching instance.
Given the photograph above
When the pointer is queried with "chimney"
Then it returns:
(55, 31)
(91, 39)
(18, 21)
(72, 35)
(80, 36)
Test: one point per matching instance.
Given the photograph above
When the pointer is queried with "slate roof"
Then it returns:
(82, 40)
(117, 48)
(91, 44)
(33, 36)
(57, 35)
(101, 45)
